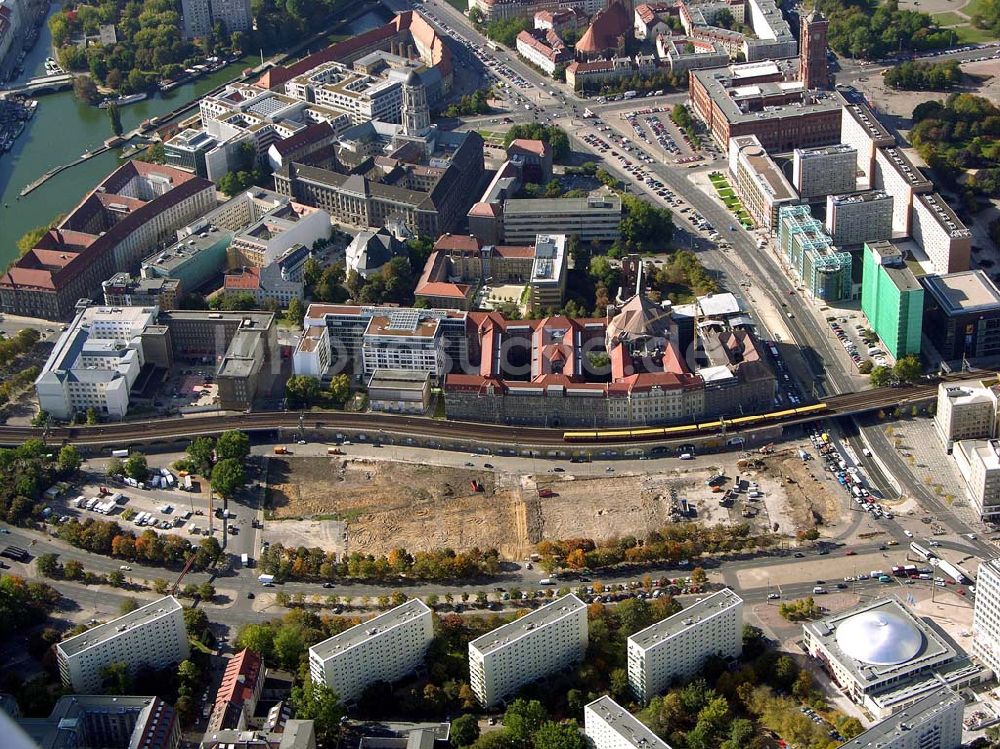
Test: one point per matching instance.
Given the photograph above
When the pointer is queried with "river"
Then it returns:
(63, 128)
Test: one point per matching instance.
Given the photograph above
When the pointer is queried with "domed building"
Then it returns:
(885, 658)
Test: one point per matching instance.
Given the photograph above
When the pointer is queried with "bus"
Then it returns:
(922, 551)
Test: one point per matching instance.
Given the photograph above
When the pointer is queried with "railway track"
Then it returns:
(165, 431)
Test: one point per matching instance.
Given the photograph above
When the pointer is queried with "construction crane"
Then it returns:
(187, 568)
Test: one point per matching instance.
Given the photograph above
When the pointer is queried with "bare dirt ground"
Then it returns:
(806, 498)
(375, 506)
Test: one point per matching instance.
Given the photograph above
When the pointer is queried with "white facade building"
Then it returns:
(607, 725)
(965, 411)
(385, 648)
(860, 129)
(986, 615)
(824, 170)
(153, 635)
(979, 463)
(941, 234)
(363, 97)
(896, 175)
(94, 363)
(200, 16)
(547, 640)
(676, 647)
(758, 181)
(933, 722)
(859, 218)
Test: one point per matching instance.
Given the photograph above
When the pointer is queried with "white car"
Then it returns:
(125, 568)
(909, 534)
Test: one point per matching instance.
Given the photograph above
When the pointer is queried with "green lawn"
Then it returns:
(970, 35)
(948, 18)
(971, 8)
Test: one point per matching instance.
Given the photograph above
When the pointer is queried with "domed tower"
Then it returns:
(416, 112)
(812, 50)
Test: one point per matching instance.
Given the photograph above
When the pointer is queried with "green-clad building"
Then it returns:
(891, 299)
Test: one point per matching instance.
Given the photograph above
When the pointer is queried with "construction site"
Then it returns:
(362, 504)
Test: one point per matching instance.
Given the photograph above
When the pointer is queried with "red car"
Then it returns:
(850, 553)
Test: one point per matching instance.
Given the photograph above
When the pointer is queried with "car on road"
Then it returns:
(125, 568)
(327, 585)
(250, 595)
(773, 596)
(908, 534)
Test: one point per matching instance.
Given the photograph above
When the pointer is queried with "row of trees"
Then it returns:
(505, 30)
(305, 391)
(19, 344)
(317, 564)
(108, 538)
(871, 30)
(906, 370)
(23, 604)
(471, 105)
(671, 543)
(924, 76)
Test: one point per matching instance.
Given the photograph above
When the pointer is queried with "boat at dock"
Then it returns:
(121, 101)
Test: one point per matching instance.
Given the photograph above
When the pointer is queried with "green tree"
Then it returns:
(206, 591)
(302, 391)
(30, 238)
(554, 735)
(232, 445)
(47, 565)
(156, 154)
(201, 451)
(881, 377)
(115, 467)
(908, 368)
(296, 312)
(464, 730)
(92, 417)
(115, 115)
(128, 605)
(319, 703)
(160, 586)
(115, 678)
(116, 579)
(85, 89)
(136, 467)
(69, 460)
(228, 476)
(259, 638)
(340, 388)
(522, 719)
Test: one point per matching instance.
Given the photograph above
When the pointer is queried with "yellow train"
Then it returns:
(700, 428)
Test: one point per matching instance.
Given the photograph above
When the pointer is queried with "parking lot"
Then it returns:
(858, 343)
(654, 125)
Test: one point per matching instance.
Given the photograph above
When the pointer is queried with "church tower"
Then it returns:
(416, 112)
(812, 50)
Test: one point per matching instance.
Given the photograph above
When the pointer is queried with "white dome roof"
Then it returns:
(880, 638)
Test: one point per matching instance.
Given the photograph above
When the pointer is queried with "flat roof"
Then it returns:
(902, 723)
(820, 151)
(867, 119)
(541, 617)
(944, 215)
(868, 196)
(108, 631)
(966, 291)
(626, 725)
(562, 205)
(369, 630)
(694, 614)
(401, 379)
(905, 169)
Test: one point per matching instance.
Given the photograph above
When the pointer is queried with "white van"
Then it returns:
(687, 456)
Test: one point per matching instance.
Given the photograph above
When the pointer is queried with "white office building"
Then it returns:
(933, 722)
(547, 640)
(824, 170)
(941, 234)
(965, 411)
(986, 615)
(94, 363)
(153, 635)
(979, 463)
(607, 725)
(676, 647)
(385, 648)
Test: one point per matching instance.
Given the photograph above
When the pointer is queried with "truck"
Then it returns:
(245, 560)
(280, 450)
(266, 580)
(954, 572)
(630, 94)
(169, 478)
(119, 453)
(187, 483)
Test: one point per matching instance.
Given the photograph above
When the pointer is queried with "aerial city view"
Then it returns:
(499, 374)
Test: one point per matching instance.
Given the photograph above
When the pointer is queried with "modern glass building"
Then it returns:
(824, 270)
(892, 299)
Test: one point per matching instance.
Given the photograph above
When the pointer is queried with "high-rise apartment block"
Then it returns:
(385, 648)
(200, 16)
(862, 217)
(825, 170)
(979, 463)
(608, 725)
(860, 129)
(933, 722)
(676, 647)
(547, 640)
(153, 635)
(891, 299)
(941, 234)
(896, 175)
(986, 615)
